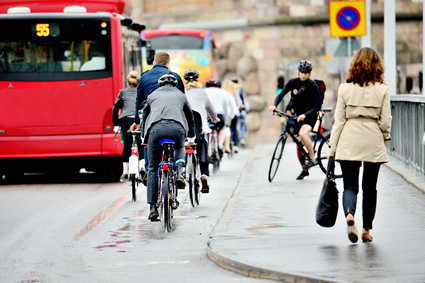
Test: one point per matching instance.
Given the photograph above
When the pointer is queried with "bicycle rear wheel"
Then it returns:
(191, 178)
(168, 213)
(277, 155)
(322, 156)
(133, 186)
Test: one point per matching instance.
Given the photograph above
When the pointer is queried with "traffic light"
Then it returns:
(280, 84)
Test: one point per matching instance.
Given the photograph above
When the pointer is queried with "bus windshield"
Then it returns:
(54, 49)
(176, 42)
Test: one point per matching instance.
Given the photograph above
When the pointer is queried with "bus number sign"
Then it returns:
(42, 30)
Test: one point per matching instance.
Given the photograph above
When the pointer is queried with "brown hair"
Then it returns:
(133, 79)
(366, 66)
(162, 58)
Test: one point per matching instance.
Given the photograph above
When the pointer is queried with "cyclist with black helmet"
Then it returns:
(305, 102)
(200, 103)
(167, 114)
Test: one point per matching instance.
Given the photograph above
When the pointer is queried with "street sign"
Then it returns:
(347, 18)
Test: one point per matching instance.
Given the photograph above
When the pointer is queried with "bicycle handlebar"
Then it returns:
(283, 114)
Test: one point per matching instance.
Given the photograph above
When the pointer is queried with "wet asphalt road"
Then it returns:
(78, 229)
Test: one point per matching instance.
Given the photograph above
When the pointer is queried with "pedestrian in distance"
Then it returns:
(200, 103)
(125, 102)
(305, 102)
(167, 114)
(359, 135)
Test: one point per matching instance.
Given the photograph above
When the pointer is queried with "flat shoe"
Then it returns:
(366, 238)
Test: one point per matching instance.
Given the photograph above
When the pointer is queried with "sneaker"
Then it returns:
(236, 149)
(310, 163)
(205, 187)
(303, 174)
(153, 213)
(124, 178)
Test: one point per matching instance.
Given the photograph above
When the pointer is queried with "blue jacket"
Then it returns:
(148, 83)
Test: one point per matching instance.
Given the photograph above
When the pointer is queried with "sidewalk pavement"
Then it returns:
(268, 230)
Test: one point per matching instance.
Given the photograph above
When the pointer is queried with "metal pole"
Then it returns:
(389, 46)
(366, 39)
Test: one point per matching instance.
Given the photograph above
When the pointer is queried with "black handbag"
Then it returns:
(327, 207)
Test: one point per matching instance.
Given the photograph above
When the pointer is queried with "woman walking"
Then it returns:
(359, 135)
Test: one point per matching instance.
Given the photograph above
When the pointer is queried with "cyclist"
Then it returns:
(167, 114)
(125, 101)
(199, 101)
(149, 82)
(305, 102)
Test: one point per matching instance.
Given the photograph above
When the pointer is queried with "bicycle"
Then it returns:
(134, 166)
(321, 150)
(215, 154)
(167, 194)
(193, 175)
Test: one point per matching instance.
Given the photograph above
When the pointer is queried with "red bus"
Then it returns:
(62, 64)
(188, 49)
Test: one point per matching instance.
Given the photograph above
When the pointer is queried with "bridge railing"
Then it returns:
(407, 132)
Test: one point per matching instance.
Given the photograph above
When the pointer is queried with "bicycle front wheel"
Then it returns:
(133, 186)
(322, 156)
(167, 203)
(277, 155)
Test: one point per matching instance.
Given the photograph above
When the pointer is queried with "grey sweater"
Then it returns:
(125, 101)
(168, 103)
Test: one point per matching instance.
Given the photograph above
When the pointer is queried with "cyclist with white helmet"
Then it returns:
(305, 102)
(167, 114)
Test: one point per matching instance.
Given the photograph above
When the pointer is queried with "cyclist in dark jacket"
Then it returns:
(149, 80)
(305, 102)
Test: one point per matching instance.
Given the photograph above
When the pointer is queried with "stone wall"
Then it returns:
(266, 38)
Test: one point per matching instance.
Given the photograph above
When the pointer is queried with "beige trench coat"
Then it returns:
(362, 123)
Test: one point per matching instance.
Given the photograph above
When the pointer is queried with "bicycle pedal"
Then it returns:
(175, 204)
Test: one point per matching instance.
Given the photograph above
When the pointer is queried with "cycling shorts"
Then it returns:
(309, 120)
(219, 125)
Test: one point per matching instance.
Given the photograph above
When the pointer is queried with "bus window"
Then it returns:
(176, 42)
(70, 51)
(188, 49)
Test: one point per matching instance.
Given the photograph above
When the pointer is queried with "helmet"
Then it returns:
(191, 75)
(305, 66)
(168, 79)
(213, 83)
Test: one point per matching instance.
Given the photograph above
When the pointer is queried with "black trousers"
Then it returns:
(350, 172)
(125, 124)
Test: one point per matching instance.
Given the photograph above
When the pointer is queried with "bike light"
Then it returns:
(165, 168)
(134, 152)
